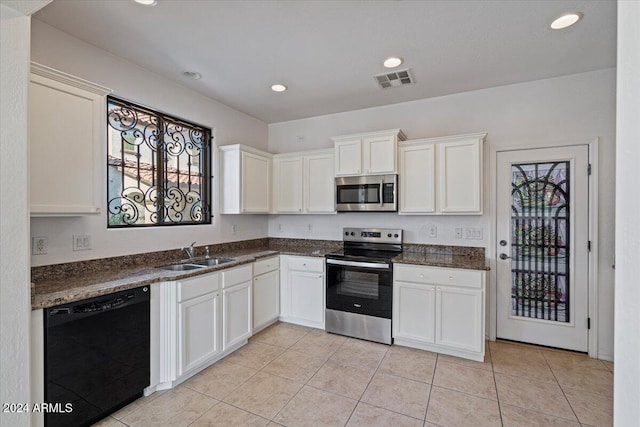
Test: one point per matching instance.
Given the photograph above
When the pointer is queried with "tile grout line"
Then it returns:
(369, 383)
(495, 384)
(561, 389)
(305, 383)
(433, 377)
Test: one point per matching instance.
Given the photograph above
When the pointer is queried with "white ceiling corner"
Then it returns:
(26, 7)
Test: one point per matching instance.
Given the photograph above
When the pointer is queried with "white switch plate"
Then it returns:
(39, 245)
(81, 242)
(433, 231)
(309, 228)
(234, 229)
(473, 233)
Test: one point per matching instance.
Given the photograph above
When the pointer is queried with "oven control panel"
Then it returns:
(372, 235)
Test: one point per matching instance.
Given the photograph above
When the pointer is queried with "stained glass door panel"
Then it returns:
(539, 240)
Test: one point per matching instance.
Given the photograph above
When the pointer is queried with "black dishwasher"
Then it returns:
(96, 356)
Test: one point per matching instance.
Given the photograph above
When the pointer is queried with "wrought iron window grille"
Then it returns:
(158, 168)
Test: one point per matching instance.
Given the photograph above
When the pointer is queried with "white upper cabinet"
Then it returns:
(441, 175)
(379, 154)
(417, 178)
(348, 157)
(460, 174)
(67, 122)
(320, 188)
(245, 185)
(304, 183)
(287, 181)
(372, 153)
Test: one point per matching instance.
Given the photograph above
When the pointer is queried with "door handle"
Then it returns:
(380, 192)
(504, 256)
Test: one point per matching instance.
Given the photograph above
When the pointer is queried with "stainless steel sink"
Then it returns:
(181, 267)
(213, 261)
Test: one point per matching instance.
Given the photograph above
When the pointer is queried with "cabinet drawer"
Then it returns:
(197, 286)
(236, 276)
(438, 276)
(266, 265)
(306, 264)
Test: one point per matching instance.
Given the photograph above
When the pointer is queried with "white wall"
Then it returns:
(14, 221)
(572, 108)
(59, 50)
(626, 384)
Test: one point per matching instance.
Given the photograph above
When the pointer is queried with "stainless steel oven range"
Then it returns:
(359, 284)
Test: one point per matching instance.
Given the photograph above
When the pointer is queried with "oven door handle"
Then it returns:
(377, 265)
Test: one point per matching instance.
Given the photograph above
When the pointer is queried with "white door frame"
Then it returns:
(594, 151)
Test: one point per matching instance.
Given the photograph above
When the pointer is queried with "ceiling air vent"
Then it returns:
(395, 79)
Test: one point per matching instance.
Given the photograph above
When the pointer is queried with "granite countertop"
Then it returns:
(441, 260)
(64, 283)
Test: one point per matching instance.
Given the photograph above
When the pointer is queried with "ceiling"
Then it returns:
(327, 52)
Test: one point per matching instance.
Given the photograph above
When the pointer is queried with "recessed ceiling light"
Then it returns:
(192, 75)
(147, 2)
(566, 20)
(278, 88)
(392, 62)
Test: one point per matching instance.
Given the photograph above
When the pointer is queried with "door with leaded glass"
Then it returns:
(542, 238)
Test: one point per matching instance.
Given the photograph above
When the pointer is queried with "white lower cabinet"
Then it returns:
(236, 303)
(199, 326)
(236, 311)
(411, 319)
(201, 319)
(266, 292)
(439, 309)
(302, 290)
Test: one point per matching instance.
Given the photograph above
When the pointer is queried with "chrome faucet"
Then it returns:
(189, 250)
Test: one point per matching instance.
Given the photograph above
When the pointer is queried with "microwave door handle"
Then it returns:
(380, 192)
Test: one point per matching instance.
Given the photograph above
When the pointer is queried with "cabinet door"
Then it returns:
(460, 318)
(417, 178)
(379, 155)
(414, 311)
(348, 157)
(266, 298)
(288, 184)
(460, 166)
(306, 296)
(198, 326)
(65, 126)
(256, 183)
(319, 184)
(236, 314)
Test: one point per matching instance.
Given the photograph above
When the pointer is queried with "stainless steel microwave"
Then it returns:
(374, 193)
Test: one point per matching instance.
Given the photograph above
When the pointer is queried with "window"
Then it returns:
(158, 168)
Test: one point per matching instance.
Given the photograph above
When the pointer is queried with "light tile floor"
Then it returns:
(294, 376)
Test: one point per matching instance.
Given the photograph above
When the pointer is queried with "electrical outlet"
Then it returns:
(234, 229)
(81, 242)
(309, 228)
(39, 245)
(458, 233)
(433, 231)
(280, 228)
